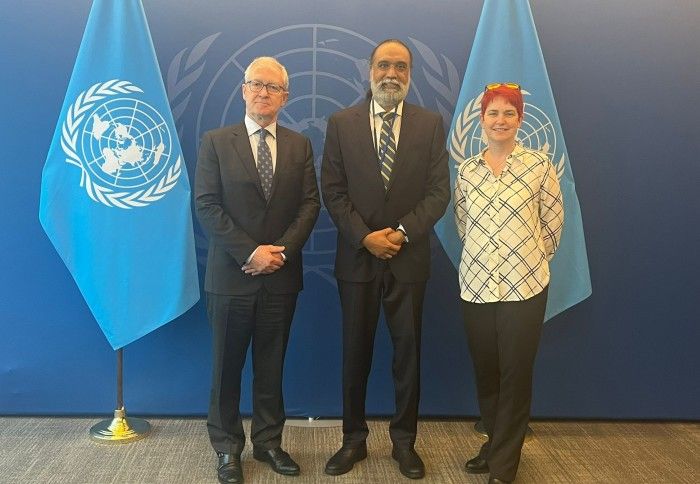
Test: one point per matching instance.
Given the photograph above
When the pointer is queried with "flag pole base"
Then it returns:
(120, 430)
(479, 428)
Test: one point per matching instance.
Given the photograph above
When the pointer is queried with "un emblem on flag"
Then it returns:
(122, 145)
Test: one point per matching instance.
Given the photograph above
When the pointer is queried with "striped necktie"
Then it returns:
(387, 146)
(265, 164)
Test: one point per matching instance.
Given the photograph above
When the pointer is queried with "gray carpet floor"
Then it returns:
(59, 450)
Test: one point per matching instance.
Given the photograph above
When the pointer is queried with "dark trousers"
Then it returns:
(403, 308)
(503, 340)
(265, 318)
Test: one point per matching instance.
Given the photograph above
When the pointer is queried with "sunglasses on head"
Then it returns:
(496, 85)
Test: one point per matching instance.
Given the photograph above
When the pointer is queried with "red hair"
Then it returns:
(510, 95)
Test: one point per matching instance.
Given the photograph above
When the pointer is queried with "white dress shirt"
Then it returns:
(510, 226)
(375, 122)
(254, 137)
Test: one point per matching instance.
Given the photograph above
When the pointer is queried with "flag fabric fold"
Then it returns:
(506, 49)
(115, 195)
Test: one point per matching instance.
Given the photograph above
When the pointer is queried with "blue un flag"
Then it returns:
(506, 49)
(115, 197)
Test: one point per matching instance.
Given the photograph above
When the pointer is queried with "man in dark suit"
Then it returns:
(385, 182)
(257, 198)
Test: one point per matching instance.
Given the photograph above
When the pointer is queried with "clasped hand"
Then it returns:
(384, 243)
(266, 260)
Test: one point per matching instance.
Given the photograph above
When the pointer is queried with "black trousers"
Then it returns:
(403, 308)
(503, 340)
(265, 318)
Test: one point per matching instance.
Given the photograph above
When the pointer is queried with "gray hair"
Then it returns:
(258, 61)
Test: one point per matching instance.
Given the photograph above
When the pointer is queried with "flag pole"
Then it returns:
(120, 429)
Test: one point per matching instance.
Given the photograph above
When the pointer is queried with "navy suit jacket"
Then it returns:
(354, 194)
(232, 209)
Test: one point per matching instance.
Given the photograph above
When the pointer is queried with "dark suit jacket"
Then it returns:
(354, 194)
(231, 207)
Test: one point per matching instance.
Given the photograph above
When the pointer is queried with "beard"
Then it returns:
(391, 97)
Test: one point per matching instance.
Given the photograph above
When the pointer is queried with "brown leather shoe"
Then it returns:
(410, 463)
(344, 460)
(279, 460)
(229, 469)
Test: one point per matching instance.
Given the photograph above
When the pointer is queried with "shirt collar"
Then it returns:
(378, 110)
(515, 156)
(518, 152)
(252, 127)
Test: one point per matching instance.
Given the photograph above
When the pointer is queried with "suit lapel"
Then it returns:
(364, 137)
(241, 143)
(409, 131)
(283, 156)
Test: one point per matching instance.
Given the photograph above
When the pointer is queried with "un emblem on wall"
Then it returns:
(122, 145)
(328, 71)
(536, 132)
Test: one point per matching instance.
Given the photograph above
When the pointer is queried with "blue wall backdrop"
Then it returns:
(624, 75)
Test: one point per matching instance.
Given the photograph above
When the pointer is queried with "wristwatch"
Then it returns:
(401, 229)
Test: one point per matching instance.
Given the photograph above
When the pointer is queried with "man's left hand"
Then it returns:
(266, 260)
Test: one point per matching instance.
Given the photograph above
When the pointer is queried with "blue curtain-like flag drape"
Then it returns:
(115, 196)
(507, 49)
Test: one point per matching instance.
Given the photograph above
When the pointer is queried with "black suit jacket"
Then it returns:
(354, 193)
(231, 207)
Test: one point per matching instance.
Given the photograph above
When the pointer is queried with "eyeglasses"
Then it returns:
(257, 86)
(496, 85)
(398, 66)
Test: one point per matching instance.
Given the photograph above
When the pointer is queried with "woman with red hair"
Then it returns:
(509, 216)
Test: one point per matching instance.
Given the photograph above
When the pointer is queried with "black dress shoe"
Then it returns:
(494, 480)
(278, 459)
(410, 463)
(229, 468)
(477, 465)
(344, 460)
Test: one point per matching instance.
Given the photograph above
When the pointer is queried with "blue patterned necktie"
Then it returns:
(387, 146)
(265, 164)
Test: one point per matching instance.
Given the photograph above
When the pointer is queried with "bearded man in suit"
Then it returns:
(385, 182)
(256, 196)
